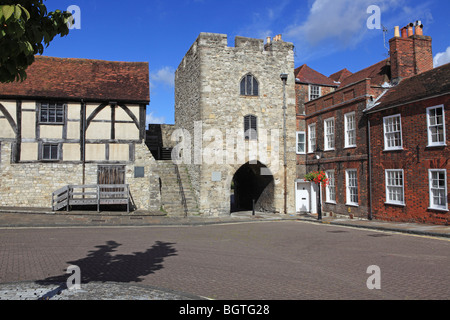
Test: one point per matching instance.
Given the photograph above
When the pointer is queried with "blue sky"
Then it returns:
(328, 35)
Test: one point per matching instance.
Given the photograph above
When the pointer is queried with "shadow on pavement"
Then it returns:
(101, 266)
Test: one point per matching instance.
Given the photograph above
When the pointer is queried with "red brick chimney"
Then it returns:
(411, 53)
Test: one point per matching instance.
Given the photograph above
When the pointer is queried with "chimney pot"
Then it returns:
(397, 32)
(404, 32)
(419, 29)
(410, 30)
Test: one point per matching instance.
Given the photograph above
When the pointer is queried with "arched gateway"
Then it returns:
(253, 185)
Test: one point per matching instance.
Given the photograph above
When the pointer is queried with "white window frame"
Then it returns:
(386, 147)
(310, 91)
(312, 137)
(348, 130)
(348, 187)
(331, 187)
(429, 126)
(298, 142)
(395, 186)
(326, 135)
(430, 176)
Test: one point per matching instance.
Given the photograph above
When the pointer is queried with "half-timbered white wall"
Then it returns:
(114, 134)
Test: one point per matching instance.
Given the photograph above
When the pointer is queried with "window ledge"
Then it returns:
(396, 149)
(245, 96)
(350, 147)
(436, 145)
(352, 204)
(330, 202)
(51, 123)
(438, 209)
(395, 204)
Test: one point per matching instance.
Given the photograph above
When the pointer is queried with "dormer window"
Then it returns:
(249, 86)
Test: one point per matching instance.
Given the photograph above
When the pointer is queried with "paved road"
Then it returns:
(283, 260)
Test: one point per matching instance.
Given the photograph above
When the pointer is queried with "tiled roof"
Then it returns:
(428, 84)
(340, 75)
(76, 79)
(379, 73)
(305, 74)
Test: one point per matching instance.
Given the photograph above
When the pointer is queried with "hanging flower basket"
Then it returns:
(318, 177)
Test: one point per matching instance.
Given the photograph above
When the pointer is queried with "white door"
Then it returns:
(303, 197)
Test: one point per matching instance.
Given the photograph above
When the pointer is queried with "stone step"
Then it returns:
(170, 189)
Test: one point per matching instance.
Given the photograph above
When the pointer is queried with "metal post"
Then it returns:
(98, 198)
(68, 198)
(319, 205)
(284, 78)
(253, 207)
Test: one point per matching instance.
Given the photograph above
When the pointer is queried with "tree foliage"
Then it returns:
(25, 28)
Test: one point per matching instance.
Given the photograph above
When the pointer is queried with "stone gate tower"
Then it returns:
(231, 123)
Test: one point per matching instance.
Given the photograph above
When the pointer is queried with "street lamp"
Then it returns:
(319, 155)
(284, 78)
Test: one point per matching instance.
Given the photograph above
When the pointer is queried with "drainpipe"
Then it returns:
(83, 140)
(284, 77)
(370, 168)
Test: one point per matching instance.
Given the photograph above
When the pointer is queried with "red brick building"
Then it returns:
(409, 150)
(337, 126)
(309, 85)
(337, 129)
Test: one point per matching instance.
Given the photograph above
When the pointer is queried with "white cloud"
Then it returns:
(442, 58)
(263, 21)
(165, 76)
(341, 21)
(336, 25)
(152, 119)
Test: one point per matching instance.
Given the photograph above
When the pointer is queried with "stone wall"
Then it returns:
(188, 101)
(32, 184)
(208, 90)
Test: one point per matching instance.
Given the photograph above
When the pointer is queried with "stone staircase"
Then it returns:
(176, 200)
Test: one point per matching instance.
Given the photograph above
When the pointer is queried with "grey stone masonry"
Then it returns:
(210, 109)
(171, 200)
(32, 184)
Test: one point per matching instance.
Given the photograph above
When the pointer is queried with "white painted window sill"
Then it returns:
(395, 204)
(438, 209)
(436, 145)
(352, 204)
(396, 149)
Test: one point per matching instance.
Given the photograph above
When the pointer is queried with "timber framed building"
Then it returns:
(75, 122)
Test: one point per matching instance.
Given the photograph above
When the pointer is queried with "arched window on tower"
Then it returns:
(249, 86)
(251, 127)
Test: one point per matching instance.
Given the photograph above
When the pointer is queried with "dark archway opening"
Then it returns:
(253, 184)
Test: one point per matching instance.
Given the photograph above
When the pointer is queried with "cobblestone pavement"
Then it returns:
(239, 258)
